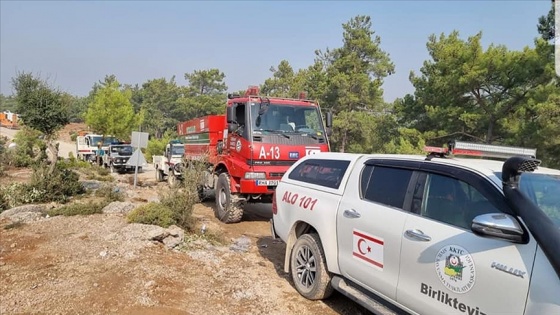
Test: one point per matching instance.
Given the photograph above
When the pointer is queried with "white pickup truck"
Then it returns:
(170, 164)
(424, 235)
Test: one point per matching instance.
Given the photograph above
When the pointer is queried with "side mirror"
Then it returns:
(230, 115)
(329, 120)
(498, 225)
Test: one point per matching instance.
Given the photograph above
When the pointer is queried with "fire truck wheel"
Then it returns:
(226, 210)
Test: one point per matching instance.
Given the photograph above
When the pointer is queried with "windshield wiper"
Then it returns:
(277, 132)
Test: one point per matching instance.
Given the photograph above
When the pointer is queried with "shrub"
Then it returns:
(152, 213)
(110, 193)
(30, 149)
(57, 186)
(78, 209)
(181, 199)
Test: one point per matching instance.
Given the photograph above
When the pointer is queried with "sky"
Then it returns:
(74, 44)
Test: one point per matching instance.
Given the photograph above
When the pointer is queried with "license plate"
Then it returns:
(267, 182)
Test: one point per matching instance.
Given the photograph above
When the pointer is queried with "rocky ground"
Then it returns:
(100, 264)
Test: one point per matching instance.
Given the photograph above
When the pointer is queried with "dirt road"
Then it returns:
(100, 264)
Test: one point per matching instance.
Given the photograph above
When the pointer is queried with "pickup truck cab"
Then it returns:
(423, 235)
(170, 164)
(117, 157)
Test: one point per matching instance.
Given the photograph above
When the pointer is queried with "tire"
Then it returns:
(309, 269)
(171, 179)
(226, 211)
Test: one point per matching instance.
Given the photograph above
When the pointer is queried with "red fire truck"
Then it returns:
(251, 147)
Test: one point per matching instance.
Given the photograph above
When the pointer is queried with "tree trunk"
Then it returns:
(343, 141)
(53, 148)
(490, 131)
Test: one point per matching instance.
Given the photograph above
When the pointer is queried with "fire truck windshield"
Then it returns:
(287, 119)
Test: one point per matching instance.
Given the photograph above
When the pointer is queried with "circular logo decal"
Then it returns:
(238, 145)
(455, 268)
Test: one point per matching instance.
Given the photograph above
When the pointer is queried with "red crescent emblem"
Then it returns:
(360, 247)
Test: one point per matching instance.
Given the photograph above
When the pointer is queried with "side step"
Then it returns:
(373, 303)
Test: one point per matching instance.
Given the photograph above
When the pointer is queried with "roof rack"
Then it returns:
(478, 149)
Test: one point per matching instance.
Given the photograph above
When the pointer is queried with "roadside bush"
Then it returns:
(57, 186)
(30, 148)
(110, 193)
(181, 199)
(78, 209)
(152, 213)
(96, 172)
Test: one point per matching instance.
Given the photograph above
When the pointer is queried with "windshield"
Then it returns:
(544, 191)
(107, 141)
(177, 150)
(124, 150)
(287, 118)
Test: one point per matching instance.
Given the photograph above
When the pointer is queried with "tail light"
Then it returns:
(274, 207)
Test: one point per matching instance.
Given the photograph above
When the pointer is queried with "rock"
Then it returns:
(91, 184)
(103, 254)
(21, 209)
(119, 207)
(241, 244)
(150, 284)
(158, 234)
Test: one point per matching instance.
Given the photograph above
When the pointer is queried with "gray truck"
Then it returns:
(117, 156)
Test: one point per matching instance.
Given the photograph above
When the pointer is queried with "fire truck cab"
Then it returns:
(251, 147)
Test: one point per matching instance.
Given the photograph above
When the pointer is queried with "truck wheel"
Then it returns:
(171, 179)
(226, 210)
(308, 268)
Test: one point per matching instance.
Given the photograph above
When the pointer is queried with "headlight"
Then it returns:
(254, 175)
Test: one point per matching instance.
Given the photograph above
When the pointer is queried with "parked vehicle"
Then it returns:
(249, 149)
(117, 157)
(86, 145)
(170, 165)
(424, 235)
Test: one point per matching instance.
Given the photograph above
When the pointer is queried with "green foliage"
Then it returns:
(44, 186)
(110, 112)
(29, 151)
(110, 193)
(96, 172)
(468, 89)
(41, 107)
(8, 103)
(546, 27)
(160, 103)
(206, 82)
(152, 213)
(78, 209)
(157, 146)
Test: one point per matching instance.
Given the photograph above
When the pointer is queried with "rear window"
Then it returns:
(327, 173)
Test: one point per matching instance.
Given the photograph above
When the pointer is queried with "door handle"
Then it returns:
(352, 214)
(418, 235)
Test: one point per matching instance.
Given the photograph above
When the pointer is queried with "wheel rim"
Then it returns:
(222, 198)
(306, 268)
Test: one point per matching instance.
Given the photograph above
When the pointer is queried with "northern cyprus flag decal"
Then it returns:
(368, 248)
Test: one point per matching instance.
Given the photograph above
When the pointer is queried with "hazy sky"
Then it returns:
(76, 43)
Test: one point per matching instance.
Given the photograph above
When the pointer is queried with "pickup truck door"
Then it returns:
(447, 269)
(370, 222)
